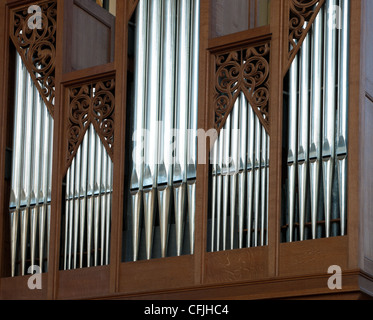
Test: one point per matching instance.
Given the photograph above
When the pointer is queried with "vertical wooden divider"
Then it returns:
(202, 169)
(121, 44)
(59, 147)
(4, 57)
(355, 206)
(276, 111)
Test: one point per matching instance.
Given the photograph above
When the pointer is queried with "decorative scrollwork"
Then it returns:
(91, 103)
(301, 16)
(245, 70)
(37, 47)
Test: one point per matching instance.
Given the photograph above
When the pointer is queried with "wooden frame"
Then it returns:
(275, 271)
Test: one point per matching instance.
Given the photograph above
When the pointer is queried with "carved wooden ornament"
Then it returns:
(91, 103)
(302, 14)
(245, 70)
(35, 42)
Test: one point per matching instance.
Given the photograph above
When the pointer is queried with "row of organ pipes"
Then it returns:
(317, 124)
(89, 187)
(239, 181)
(165, 99)
(30, 196)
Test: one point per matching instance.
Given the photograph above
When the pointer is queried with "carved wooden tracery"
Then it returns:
(245, 70)
(302, 14)
(91, 103)
(37, 46)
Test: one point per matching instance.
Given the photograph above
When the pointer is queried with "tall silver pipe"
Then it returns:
(104, 200)
(90, 190)
(153, 96)
(316, 116)
(15, 194)
(250, 172)
(83, 197)
(36, 147)
(263, 187)
(219, 173)
(257, 178)
(26, 171)
(167, 117)
(67, 216)
(181, 116)
(214, 194)
(225, 174)
(140, 84)
(233, 166)
(182, 87)
(303, 132)
(343, 86)
(193, 85)
(46, 173)
(20, 96)
(292, 157)
(108, 208)
(152, 125)
(193, 120)
(71, 214)
(49, 181)
(97, 197)
(330, 77)
(76, 205)
(242, 168)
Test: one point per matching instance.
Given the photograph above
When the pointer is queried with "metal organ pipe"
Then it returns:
(343, 85)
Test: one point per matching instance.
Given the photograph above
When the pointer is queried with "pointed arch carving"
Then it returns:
(302, 14)
(242, 70)
(91, 103)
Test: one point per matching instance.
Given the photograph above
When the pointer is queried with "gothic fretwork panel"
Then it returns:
(245, 70)
(302, 13)
(91, 103)
(33, 33)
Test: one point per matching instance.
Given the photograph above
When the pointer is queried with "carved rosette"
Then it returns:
(37, 47)
(301, 16)
(245, 70)
(91, 103)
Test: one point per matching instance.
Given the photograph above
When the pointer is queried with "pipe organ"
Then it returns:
(164, 161)
(31, 184)
(317, 136)
(108, 103)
